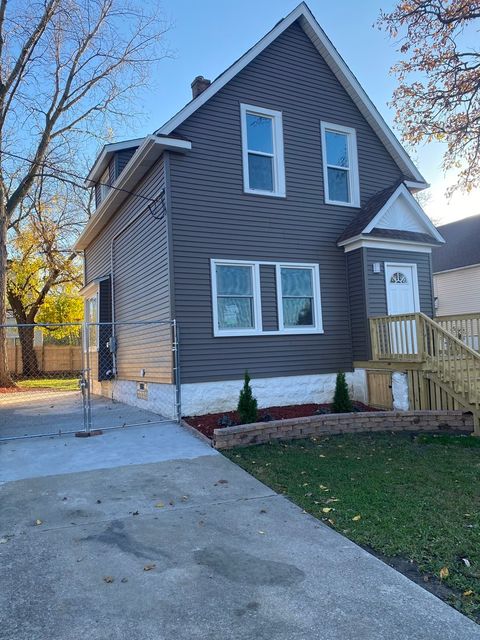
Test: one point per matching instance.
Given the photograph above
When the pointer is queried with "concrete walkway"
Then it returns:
(190, 547)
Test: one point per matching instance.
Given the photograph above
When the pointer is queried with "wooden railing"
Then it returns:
(446, 359)
(465, 327)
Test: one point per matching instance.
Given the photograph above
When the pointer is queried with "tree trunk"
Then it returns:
(29, 357)
(5, 378)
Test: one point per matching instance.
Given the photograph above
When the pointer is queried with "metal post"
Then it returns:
(87, 378)
(176, 371)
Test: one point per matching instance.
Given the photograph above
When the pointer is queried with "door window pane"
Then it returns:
(338, 189)
(259, 133)
(260, 172)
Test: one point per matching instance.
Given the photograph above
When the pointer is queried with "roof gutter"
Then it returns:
(143, 159)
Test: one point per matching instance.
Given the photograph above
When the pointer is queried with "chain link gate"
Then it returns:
(84, 378)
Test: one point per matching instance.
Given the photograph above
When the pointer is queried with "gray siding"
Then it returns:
(213, 218)
(140, 282)
(268, 287)
(358, 309)
(376, 288)
(122, 158)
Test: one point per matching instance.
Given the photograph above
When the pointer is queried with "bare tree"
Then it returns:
(65, 65)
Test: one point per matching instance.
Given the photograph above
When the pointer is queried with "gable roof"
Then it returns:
(462, 247)
(340, 69)
(367, 223)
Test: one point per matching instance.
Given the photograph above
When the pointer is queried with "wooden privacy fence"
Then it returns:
(50, 358)
(448, 369)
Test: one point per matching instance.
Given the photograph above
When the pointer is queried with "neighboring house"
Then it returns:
(283, 219)
(456, 268)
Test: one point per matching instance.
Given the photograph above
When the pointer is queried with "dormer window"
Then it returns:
(104, 184)
(262, 150)
(340, 165)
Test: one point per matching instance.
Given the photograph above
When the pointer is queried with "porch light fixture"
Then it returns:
(377, 268)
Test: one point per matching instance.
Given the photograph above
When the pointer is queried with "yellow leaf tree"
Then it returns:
(43, 279)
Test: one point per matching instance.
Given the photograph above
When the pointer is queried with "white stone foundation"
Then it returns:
(160, 399)
(215, 397)
(400, 391)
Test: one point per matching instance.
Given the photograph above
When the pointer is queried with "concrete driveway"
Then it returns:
(184, 545)
(50, 411)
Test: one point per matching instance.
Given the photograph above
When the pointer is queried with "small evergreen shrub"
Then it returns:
(247, 403)
(341, 400)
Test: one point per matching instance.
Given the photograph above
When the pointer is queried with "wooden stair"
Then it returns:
(445, 360)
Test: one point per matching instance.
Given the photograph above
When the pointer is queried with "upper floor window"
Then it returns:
(340, 165)
(104, 184)
(262, 150)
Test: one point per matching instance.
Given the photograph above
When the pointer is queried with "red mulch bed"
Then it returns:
(12, 390)
(210, 421)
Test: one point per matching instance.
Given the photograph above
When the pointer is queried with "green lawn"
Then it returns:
(58, 384)
(410, 497)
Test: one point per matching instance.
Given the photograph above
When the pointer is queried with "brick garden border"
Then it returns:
(333, 424)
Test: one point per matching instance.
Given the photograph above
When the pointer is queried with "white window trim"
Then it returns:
(278, 151)
(353, 179)
(91, 296)
(257, 310)
(257, 299)
(317, 299)
(399, 266)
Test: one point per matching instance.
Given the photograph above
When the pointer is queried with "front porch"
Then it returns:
(440, 357)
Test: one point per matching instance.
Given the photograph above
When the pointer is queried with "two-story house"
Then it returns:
(270, 217)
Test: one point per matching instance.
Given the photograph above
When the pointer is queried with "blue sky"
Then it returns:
(208, 36)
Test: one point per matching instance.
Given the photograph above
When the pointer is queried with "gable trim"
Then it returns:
(338, 66)
(402, 190)
(360, 241)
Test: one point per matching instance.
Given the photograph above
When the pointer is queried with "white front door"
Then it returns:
(402, 297)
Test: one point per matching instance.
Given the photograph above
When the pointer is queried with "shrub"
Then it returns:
(247, 404)
(341, 400)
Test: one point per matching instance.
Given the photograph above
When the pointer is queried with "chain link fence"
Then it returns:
(82, 377)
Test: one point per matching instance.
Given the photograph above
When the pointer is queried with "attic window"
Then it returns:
(104, 184)
(262, 150)
(398, 278)
(340, 165)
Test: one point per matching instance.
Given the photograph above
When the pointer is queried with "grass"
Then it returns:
(58, 384)
(418, 498)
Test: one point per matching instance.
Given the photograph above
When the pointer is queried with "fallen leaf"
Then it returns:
(184, 498)
(321, 456)
(468, 592)
(332, 522)
(357, 518)
(108, 579)
(327, 509)
(262, 533)
(149, 567)
(466, 562)
(322, 486)
(159, 505)
(135, 513)
(444, 573)
(124, 580)
(38, 522)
